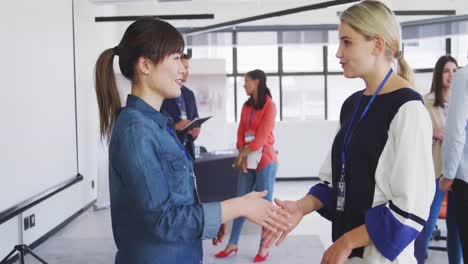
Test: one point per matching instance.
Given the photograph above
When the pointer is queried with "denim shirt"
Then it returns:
(156, 215)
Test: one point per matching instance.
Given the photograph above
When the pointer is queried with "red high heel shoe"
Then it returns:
(223, 254)
(260, 258)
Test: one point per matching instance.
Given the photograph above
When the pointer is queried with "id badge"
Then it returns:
(340, 201)
(183, 115)
(249, 137)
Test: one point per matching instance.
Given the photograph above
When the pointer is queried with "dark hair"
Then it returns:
(262, 89)
(436, 86)
(147, 37)
(186, 56)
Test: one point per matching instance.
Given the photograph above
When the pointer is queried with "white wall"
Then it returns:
(63, 205)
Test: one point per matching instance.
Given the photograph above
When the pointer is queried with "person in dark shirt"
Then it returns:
(183, 110)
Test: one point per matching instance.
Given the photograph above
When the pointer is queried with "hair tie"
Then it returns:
(398, 55)
(116, 50)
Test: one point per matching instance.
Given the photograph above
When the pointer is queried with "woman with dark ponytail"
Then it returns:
(156, 215)
(257, 159)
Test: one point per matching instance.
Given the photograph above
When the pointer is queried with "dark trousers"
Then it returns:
(460, 189)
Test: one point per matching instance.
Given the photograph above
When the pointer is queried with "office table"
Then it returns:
(216, 178)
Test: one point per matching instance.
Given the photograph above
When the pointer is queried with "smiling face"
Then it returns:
(166, 77)
(447, 74)
(354, 52)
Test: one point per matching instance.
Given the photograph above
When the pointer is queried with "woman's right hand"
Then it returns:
(264, 213)
(241, 163)
(438, 134)
(296, 214)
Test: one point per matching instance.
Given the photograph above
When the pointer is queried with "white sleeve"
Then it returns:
(406, 176)
(411, 180)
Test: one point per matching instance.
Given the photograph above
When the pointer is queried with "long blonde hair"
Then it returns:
(373, 18)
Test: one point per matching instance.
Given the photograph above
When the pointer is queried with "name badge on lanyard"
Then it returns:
(341, 185)
(340, 200)
(181, 104)
(249, 136)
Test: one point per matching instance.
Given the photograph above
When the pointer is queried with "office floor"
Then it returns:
(88, 239)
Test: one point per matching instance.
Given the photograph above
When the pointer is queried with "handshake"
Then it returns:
(277, 220)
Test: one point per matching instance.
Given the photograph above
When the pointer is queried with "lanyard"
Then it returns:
(181, 103)
(252, 114)
(348, 134)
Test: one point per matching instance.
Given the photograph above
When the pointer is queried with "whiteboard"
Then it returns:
(37, 108)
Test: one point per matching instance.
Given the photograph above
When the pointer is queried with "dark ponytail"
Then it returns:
(106, 92)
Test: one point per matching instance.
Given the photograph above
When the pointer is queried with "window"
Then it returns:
(303, 97)
(340, 88)
(332, 61)
(257, 50)
(303, 51)
(460, 49)
(214, 46)
(230, 100)
(302, 58)
(424, 53)
(423, 82)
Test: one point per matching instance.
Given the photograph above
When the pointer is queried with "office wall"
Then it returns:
(38, 59)
(37, 142)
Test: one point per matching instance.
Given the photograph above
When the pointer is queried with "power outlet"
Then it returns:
(26, 223)
(32, 220)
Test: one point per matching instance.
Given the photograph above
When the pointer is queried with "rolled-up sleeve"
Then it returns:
(212, 219)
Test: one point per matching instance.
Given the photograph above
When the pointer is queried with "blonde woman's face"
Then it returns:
(166, 77)
(354, 52)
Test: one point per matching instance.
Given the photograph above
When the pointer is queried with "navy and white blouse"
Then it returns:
(389, 175)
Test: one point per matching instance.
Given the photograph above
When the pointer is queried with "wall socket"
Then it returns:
(26, 223)
(32, 220)
(29, 221)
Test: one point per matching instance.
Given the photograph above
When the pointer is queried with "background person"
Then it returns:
(436, 103)
(254, 135)
(455, 153)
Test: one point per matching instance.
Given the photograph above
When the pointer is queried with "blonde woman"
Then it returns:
(378, 180)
